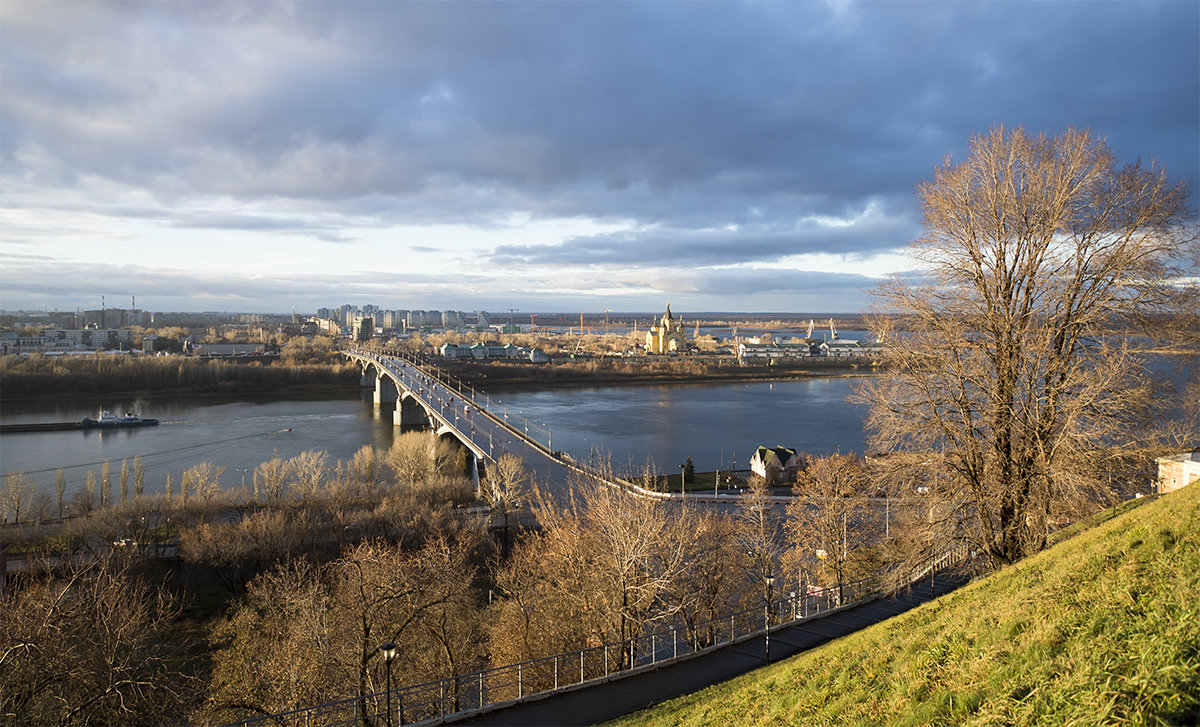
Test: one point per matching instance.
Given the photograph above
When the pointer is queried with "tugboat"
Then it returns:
(108, 420)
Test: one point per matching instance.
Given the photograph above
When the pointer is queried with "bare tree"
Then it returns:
(105, 484)
(124, 480)
(139, 476)
(1009, 356)
(713, 584)
(17, 496)
(306, 635)
(604, 566)
(417, 456)
(828, 520)
(204, 479)
(364, 468)
(270, 477)
(60, 489)
(759, 538)
(506, 486)
(308, 471)
(91, 647)
(88, 501)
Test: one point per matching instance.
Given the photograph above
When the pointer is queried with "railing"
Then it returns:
(518, 424)
(661, 644)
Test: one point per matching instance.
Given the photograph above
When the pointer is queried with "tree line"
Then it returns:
(40, 374)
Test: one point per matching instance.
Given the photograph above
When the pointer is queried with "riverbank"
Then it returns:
(527, 376)
(170, 377)
(35, 377)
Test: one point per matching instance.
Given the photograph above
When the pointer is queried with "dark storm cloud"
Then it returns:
(659, 111)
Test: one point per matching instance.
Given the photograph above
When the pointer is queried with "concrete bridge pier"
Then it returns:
(385, 390)
(409, 413)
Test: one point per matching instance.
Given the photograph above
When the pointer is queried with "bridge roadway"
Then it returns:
(423, 398)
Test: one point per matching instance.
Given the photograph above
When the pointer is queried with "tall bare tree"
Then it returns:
(506, 486)
(139, 476)
(105, 484)
(828, 519)
(17, 496)
(270, 477)
(124, 480)
(308, 470)
(60, 489)
(204, 479)
(1011, 357)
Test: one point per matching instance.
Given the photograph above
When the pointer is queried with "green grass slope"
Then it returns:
(1101, 629)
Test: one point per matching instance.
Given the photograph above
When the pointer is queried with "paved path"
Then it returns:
(593, 703)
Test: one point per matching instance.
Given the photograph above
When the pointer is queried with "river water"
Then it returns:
(714, 424)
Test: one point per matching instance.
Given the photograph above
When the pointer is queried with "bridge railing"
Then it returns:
(661, 644)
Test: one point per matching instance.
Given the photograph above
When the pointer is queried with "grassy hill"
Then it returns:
(1101, 629)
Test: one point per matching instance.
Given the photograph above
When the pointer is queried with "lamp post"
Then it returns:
(770, 581)
(389, 652)
(682, 478)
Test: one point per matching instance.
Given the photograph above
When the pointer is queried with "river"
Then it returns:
(714, 424)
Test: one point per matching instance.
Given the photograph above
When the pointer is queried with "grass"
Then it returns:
(1104, 628)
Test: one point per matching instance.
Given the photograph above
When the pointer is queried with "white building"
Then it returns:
(1178, 471)
(780, 463)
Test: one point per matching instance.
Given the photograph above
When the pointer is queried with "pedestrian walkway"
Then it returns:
(627, 692)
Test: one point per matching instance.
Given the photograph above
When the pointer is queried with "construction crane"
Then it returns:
(510, 315)
(606, 312)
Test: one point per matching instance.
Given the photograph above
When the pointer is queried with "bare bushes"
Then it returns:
(307, 634)
(92, 646)
(604, 566)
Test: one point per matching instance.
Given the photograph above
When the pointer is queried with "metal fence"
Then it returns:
(662, 643)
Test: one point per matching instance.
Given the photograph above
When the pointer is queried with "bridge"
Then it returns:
(425, 398)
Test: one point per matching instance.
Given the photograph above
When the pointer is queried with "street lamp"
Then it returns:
(770, 581)
(682, 478)
(389, 652)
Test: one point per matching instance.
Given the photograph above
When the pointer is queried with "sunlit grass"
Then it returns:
(1101, 629)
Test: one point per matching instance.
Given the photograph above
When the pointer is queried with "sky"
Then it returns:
(543, 156)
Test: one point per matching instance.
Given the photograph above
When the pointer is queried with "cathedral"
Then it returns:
(667, 336)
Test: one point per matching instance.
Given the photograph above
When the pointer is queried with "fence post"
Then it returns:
(581, 666)
(481, 690)
(606, 660)
(653, 650)
(520, 686)
(556, 671)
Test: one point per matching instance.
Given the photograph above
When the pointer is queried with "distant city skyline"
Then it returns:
(549, 157)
